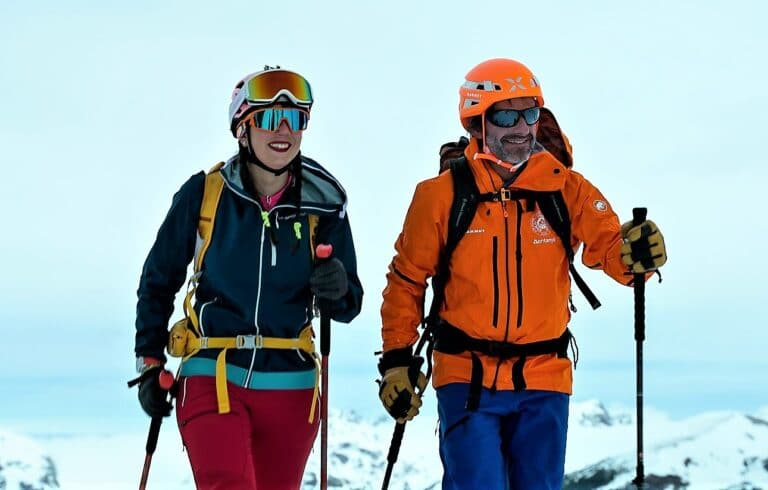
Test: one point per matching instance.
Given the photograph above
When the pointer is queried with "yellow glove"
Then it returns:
(643, 249)
(397, 393)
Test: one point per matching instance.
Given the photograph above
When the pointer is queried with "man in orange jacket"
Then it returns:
(501, 370)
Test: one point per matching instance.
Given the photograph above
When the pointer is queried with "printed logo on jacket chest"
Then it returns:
(541, 228)
(283, 217)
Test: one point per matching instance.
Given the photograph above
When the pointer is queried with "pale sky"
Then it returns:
(105, 110)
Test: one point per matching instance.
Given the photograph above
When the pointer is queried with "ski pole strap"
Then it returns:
(452, 340)
(304, 342)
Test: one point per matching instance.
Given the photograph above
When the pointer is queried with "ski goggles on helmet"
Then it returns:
(270, 118)
(268, 86)
(506, 118)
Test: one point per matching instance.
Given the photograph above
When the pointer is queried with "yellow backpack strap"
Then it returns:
(313, 219)
(214, 183)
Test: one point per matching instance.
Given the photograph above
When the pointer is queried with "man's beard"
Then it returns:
(519, 153)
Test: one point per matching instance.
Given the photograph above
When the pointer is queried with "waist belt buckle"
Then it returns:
(249, 341)
(501, 350)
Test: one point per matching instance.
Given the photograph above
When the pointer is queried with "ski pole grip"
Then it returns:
(166, 379)
(639, 215)
(323, 251)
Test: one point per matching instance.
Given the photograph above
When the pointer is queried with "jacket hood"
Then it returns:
(319, 191)
(552, 138)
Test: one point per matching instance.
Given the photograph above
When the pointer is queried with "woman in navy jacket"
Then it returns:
(256, 288)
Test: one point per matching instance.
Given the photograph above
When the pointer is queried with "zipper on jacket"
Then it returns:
(506, 268)
(519, 263)
(258, 301)
(495, 282)
(274, 245)
(273, 263)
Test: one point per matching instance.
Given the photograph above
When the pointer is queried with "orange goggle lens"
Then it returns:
(271, 84)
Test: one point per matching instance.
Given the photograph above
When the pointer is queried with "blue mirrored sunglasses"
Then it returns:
(506, 118)
(271, 118)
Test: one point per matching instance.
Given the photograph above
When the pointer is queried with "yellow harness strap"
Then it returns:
(303, 342)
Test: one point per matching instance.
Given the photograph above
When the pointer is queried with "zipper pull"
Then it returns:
(297, 229)
(504, 208)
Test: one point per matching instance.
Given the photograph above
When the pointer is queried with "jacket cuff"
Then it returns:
(395, 358)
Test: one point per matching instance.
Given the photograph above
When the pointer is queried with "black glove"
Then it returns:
(401, 376)
(329, 280)
(153, 398)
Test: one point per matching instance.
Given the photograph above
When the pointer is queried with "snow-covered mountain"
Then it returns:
(24, 465)
(716, 450)
(713, 450)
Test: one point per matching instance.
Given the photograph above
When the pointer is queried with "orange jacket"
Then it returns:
(491, 294)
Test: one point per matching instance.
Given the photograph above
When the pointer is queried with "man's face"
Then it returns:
(511, 144)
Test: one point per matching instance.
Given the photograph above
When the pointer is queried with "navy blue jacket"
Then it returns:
(255, 279)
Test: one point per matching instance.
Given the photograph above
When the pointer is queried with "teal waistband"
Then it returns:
(292, 380)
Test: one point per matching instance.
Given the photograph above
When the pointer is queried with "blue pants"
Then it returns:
(513, 441)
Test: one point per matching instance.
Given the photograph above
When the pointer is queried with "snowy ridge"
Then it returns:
(24, 465)
(713, 450)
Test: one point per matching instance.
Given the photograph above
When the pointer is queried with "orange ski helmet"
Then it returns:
(492, 81)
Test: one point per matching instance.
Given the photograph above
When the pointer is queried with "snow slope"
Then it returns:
(713, 450)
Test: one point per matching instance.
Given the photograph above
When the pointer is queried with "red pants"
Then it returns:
(262, 444)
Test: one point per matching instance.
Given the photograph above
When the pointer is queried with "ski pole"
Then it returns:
(323, 252)
(638, 285)
(397, 435)
(394, 451)
(166, 383)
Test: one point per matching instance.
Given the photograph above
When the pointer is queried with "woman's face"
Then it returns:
(275, 149)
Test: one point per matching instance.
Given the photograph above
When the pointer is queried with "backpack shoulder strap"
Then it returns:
(552, 206)
(214, 183)
(313, 219)
(463, 208)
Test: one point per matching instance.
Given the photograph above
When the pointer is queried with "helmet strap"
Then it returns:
(488, 154)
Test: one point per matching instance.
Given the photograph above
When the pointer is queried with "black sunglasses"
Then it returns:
(506, 118)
